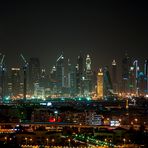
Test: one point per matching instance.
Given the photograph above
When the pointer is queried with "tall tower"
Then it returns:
(126, 62)
(53, 80)
(79, 74)
(88, 75)
(146, 75)
(114, 75)
(131, 80)
(88, 64)
(71, 79)
(108, 88)
(34, 73)
(44, 79)
(60, 73)
(16, 81)
(100, 84)
(136, 71)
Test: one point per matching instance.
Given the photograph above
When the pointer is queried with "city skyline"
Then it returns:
(102, 29)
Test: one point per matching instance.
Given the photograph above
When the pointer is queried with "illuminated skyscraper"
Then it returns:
(15, 81)
(126, 63)
(108, 88)
(88, 76)
(136, 71)
(88, 64)
(53, 80)
(60, 73)
(146, 75)
(141, 83)
(100, 84)
(34, 73)
(71, 79)
(44, 79)
(79, 74)
(114, 75)
(131, 80)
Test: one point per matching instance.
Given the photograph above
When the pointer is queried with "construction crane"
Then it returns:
(25, 76)
(2, 69)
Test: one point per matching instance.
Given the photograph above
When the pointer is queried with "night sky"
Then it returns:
(104, 29)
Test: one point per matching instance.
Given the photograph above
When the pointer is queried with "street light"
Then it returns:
(124, 140)
(5, 139)
(26, 140)
(52, 140)
(69, 141)
(47, 140)
(30, 140)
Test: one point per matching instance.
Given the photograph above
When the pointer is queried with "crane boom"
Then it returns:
(24, 60)
(2, 60)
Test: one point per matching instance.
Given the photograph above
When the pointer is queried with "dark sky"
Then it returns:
(104, 29)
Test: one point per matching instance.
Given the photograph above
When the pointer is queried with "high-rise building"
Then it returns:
(108, 88)
(79, 74)
(60, 73)
(88, 76)
(53, 80)
(100, 84)
(131, 82)
(2, 77)
(34, 73)
(146, 75)
(114, 76)
(136, 72)
(141, 84)
(16, 81)
(126, 63)
(44, 79)
(71, 79)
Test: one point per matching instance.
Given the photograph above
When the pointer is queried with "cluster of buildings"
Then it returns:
(69, 80)
(134, 76)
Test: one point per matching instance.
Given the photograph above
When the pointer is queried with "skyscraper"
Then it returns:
(79, 74)
(34, 73)
(71, 79)
(126, 63)
(136, 72)
(16, 81)
(60, 73)
(53, 80)
(131, 81)
(146, 75)
(88, 76)
(108, 88)
(100, 84)
(114, 76)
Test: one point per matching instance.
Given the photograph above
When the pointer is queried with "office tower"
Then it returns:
(60, 73)
(53, 80)
(79, 74)
(44, 79)
(108, 88)
(16, 81)
(94, 81)
(136, 71)
(88, 76)
(131, 80)
(146, 75)
(2, 77)
(126, 63)
(71, 79)
(141, 84)
(100, 84)
(114, 76)
(34, 73)
(2, 82)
